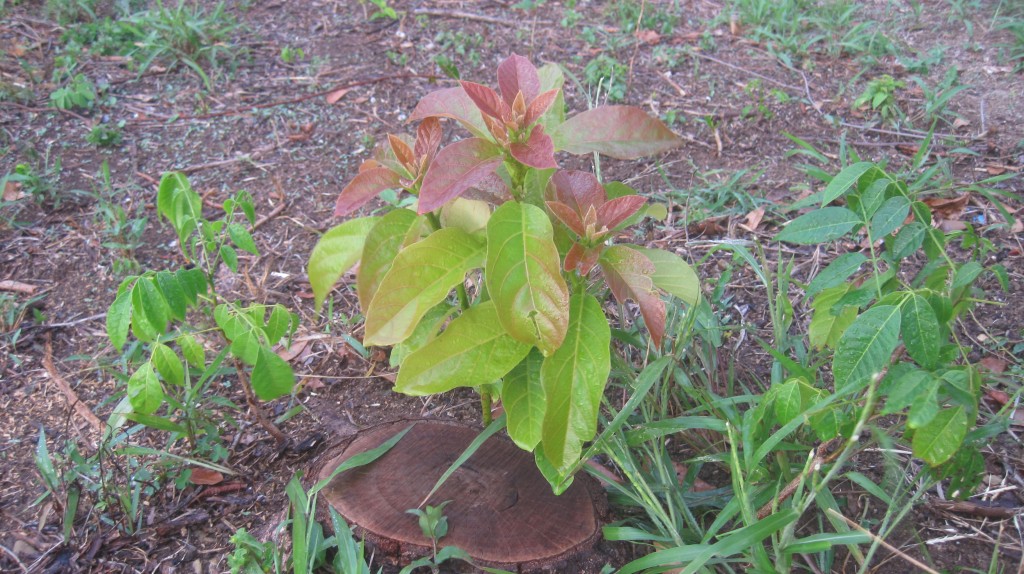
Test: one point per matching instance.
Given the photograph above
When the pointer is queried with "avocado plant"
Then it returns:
(519, 241)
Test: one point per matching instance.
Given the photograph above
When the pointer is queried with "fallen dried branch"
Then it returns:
(81, 408)
(274, 213)
(977, 508)
(17, 287)
(466, 16)
(924, 567)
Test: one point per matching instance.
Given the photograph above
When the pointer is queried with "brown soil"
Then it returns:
(268, 128)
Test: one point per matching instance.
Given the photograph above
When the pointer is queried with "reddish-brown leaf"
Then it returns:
(538, 106)
(566, 215)
(369, 164)
(487, 100)
(333, 97)
(428, 138)
(452, 103)
(628, 273)
(538, 151)
(753, 220)
(582, 259)
(648, 37)
(947, 208)
(618, 210)
(517, 74)
(993, 364)
(491, 189)
(364, 187)
(622, 132)
(580, 190)
(402, 152)
(205, 476)
(457, 168)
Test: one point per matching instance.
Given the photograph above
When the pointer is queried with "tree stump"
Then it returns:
(502, 510)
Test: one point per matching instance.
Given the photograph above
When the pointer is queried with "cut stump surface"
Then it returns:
(502, 510)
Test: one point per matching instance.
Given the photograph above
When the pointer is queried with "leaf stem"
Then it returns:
(485, 404)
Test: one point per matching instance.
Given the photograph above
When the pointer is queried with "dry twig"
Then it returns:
(889, 547)
(81, 408)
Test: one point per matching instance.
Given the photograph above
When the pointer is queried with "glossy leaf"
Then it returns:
(906, 388)
(144, 390)
(428, 138)
(908, 240)
(469, 215)
(192, 351)
(673, 274)
(425, 332)
(574, 378)
(921, 331)
(452, 103)
(522, 395)
(566, 215)
(524, 278)
(629, 274)
(538, 151)
(617, 210)
(242, 239)
(421, 277)
(937, 441)
(517, 74)
(151, 304)
(487, 100)
(457, 168)
(383, 242)
(864, 349)
(820, 225)
(365, 186)
(622, 132)
(580, 190)
(272, 376)
(173, 293)
(336, 252)
(474, 350)
(788, 403)
(540, 106)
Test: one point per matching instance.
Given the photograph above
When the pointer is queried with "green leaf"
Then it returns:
(524, 278)
(167, 364)
(242, 239)
(838, 271)
(906, 389)
(279, 324)
(826, 327)
(173, 293)
(788, 403)
(921, 331)
(192, 282)
(181, 205)
(474, 350)
(672, 274)
(864, 349)
(192, 351)
(819, 226)
(469, 215)
(425, 332)
(230, 257)
(522, 394)
(827, 423)
(336, 252)
(825, 540)
(142, 327)
(622, 132)
(924, 405)
(159, 423)
(457, 168)
(119, 318)
(422, 276)
(144, 390)
(574, 378)
(908, 240)
(890, 216)
(966, 274)
(383, 242)
(272, 376)
(937, 441)
(844, 180)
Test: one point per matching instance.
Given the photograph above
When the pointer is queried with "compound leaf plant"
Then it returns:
(519, 242)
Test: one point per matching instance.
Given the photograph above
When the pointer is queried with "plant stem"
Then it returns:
(485, 404)
(257, 410)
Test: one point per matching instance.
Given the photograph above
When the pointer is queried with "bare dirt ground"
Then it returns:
(267, 127)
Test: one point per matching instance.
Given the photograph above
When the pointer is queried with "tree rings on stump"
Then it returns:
(502, 510)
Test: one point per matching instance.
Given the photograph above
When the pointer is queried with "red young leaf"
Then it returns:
(516, 74)
(364, 187)
(566, 215)
(538, 106)
(452, 103)
(580, 190)
(487, 100)
(402, 152)
(491, 189)
(581, 258)
(628, 273)
(428, 138)
(622, 132)
(617, 210)
(537, 151)
(369, 164)
(457, 168)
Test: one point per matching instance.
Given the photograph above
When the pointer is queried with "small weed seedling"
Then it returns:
(880, 96)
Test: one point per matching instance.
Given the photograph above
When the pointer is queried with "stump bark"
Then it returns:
(502, 510)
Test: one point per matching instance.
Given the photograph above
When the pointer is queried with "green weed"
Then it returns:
(607, 75)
